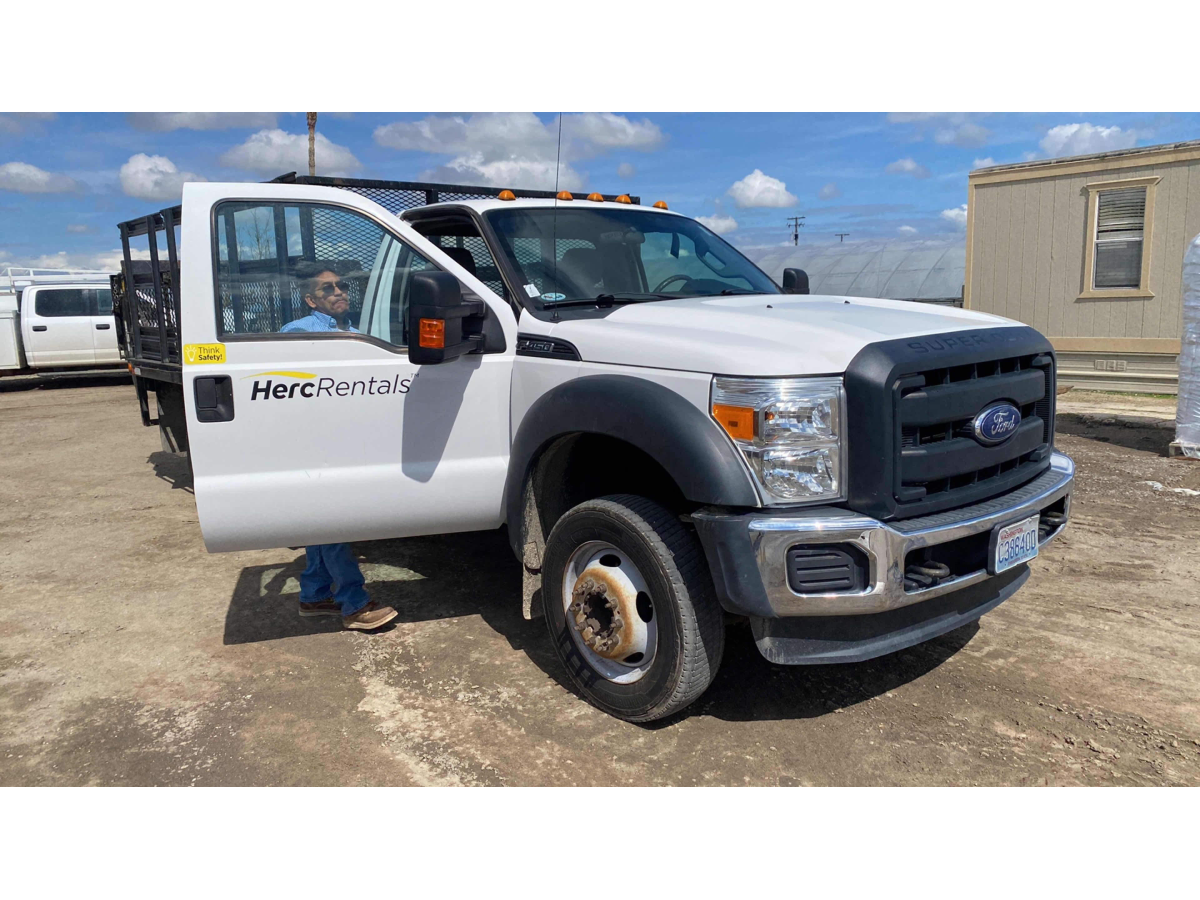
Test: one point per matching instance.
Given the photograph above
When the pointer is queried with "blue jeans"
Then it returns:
(330, 564)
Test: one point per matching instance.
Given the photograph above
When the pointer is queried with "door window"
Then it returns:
(66, 302)
(286, 268)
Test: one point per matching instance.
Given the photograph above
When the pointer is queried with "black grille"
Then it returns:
(829, 569)
(912, 404)
(938, 452)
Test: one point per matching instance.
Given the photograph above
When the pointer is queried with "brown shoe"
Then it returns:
(370, 617)
(326, 607)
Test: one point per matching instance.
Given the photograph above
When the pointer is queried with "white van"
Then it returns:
(56, 319)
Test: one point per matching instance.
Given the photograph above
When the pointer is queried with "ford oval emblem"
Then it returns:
(996, 424)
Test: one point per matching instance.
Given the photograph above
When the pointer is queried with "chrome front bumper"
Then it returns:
(886, 546)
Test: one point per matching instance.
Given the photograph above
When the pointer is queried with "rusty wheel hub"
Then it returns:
(597, 612)
(609, 611)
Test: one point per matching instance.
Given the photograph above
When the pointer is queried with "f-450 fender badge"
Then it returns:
(996, 424)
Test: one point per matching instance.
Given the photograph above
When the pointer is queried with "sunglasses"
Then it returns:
(330, 288)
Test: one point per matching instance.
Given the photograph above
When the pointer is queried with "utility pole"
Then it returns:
(796, 222)
(841, 235)
(312, 143)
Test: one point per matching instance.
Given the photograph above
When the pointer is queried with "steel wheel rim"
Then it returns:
(593, 584)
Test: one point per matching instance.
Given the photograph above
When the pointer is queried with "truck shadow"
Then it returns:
(61, 381)
(1150, 435)
(460, 575)
(172, 469)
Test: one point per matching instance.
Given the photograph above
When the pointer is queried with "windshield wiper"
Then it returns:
(611, 299)
(730, 291)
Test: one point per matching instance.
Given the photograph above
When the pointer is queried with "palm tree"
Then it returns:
(312, 143)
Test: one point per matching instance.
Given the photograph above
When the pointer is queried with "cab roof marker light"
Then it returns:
(564, 195)
(507, 195)
(596, 197)
(661, 204)
(624, 198)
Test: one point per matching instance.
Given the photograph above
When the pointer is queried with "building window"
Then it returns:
(1120, 216)
(1120, 220)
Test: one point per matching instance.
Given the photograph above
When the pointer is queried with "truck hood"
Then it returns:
(759, 334)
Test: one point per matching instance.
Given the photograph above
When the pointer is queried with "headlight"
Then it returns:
(790, 432)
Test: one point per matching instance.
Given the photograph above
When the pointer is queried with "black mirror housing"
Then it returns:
(795, 281)
(436, 314)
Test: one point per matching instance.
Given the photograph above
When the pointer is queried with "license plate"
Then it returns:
(1015, 544)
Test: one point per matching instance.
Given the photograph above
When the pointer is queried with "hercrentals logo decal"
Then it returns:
(307, 385)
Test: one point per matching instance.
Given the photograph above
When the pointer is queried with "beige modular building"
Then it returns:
(1089, 250)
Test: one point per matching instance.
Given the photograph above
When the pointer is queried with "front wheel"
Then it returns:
(630, 606)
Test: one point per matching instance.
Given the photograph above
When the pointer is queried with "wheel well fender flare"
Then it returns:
(689, 445)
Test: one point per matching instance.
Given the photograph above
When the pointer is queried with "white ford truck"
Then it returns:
(55, 320)
(667, 435)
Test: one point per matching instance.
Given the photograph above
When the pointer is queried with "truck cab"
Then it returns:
(666, 434)
(56, 319)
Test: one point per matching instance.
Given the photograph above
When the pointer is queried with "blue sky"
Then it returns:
(67, 179)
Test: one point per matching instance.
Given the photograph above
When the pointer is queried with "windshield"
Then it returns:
(623, 255)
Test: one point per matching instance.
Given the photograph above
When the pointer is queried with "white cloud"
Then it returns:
(18, 123)
(956, 128)
(274, 151)
(907, 166)
(759, 190)
(103, 261)
(718, 223)
(1084, 137)
(78, 229)
(966, 134)
(830, 192)
(154, 178)
(607, 131)
(956, 216)
(474, 168)
(907, 230)
(984, 162)
(626, 170)
(519, 149)
(27, 179)
(200, 121)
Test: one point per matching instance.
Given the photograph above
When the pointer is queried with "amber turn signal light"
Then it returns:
(565, 195)
(738, 421)
(661, 204)
(507, 195)
(433, 334)
(624, 198)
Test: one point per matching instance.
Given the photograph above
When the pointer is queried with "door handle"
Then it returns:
(103, 326)
(39, 327)
(214, 398)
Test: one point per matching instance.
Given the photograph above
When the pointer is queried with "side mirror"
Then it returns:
(795, 281)
(436, 314)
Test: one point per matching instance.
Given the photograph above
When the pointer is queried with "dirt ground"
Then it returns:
(129, 655)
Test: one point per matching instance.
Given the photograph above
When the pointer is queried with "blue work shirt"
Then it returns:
(316, 321)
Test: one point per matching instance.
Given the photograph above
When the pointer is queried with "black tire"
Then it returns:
(691, 624)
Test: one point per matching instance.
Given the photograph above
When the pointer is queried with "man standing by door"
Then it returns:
(332, 582)
(332, 585)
